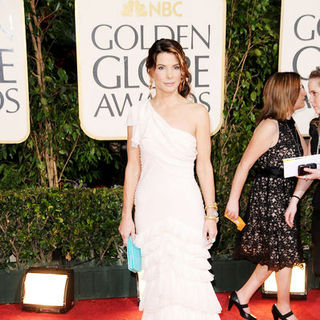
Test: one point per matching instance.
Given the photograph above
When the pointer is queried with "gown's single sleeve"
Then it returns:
(131, 118)
(134, 119)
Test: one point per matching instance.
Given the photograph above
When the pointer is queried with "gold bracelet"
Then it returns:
(213, 206)
(216, 219)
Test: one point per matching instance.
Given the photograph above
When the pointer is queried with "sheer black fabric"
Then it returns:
(314, 135)
(267, 239)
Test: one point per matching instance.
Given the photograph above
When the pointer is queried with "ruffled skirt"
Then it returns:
(176, 274)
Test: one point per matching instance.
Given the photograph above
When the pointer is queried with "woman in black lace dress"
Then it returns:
(267, 239)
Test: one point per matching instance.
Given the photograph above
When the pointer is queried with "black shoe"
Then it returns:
(277, 315)
(234, 300)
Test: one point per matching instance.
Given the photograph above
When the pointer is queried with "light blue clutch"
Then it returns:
(134, 256)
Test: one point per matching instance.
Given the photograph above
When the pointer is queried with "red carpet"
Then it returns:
(126, 309)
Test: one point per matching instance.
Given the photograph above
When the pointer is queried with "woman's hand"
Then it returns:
(291, 212)
(210, 230)
(313, 174)
(126, 229)
(232, 209)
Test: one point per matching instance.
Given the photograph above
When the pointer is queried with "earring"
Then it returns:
(151, 83)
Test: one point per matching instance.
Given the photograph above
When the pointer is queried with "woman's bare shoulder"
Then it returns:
(267, 127)
(196, 113)
(197, 110)
(268, 124)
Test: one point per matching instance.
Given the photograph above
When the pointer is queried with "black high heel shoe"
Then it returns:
(277, 315)
(234, 300)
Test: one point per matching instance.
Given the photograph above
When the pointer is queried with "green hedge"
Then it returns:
(81, 223)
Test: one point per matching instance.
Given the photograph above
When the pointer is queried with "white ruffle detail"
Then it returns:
(176, 272)
(137, 117)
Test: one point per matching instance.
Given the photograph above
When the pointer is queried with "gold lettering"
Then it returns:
(160, 8)
(152, 8)
(166, 9)
(174, 9)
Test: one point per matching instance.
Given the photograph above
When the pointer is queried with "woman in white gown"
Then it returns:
(165, 136)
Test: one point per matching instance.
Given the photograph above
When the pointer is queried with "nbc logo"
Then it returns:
(159, 8)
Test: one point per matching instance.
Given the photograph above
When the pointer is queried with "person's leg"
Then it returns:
(259, 275)
(283, 278)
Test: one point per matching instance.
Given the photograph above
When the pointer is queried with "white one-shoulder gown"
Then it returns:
(169, 217)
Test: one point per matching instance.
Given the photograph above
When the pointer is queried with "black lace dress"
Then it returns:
(267, 239)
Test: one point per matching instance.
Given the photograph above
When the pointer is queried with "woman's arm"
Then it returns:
(203, 165)
(204, 169)
(265, 136)
(301, 187)
(132, 175)
(299, 191)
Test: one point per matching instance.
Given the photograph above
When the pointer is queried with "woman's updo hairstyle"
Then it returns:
(171, 46)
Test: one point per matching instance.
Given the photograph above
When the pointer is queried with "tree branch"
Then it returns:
(69, 157)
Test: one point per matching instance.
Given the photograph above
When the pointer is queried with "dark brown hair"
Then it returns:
(280, 94)
(171, 46)
(315, 74)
